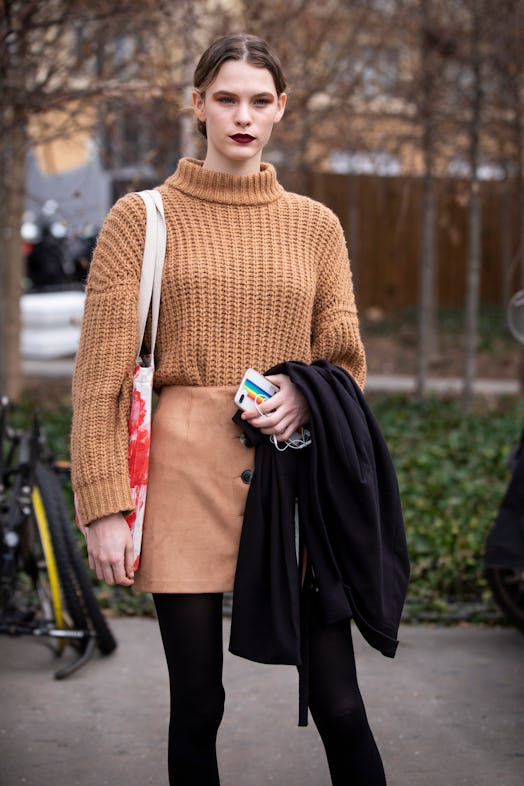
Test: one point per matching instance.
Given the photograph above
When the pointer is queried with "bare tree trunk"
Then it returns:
(472, 295)
(12, 161)
(474, 219)
(505, 241)
(12, 182)
(353, 223)
(427, 299)
(427, 305)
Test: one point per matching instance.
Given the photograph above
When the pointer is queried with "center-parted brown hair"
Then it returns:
(236, 46)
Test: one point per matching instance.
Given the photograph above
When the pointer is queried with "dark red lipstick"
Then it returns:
(242, 139)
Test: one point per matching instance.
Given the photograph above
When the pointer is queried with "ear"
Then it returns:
(198, 105)
(281, 106)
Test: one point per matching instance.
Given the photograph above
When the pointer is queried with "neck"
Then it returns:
(228, 167)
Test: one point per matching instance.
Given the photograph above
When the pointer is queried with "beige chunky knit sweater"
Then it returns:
(253, 275)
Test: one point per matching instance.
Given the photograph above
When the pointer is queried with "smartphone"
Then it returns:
(253, 390)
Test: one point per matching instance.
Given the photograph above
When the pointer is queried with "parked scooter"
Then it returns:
(505, 544)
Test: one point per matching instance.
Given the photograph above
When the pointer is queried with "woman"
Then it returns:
(253, 276)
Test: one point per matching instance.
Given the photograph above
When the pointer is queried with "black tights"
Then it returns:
(191, 628)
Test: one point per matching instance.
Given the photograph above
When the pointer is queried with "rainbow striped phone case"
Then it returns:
(253, 390)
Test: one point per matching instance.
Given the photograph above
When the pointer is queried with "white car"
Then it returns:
(51, 324)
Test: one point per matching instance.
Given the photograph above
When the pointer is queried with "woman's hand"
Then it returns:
(110, 549)
(283, 413)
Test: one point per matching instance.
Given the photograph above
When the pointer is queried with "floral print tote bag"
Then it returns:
(139, 424)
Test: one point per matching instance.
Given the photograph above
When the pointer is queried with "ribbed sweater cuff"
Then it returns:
(102, 498)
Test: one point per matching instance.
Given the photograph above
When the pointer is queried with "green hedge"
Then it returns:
(452, 471)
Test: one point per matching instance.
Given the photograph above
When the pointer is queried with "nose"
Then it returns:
(243, 114)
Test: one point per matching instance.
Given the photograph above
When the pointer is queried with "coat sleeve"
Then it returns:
(335, 328)
(102, 379)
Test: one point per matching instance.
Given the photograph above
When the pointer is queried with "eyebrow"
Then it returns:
(264, 94)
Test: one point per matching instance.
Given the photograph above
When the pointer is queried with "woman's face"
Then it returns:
(239, 108)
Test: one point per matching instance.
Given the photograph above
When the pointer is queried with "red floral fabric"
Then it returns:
(139, 427)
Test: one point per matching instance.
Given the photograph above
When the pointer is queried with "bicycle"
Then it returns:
(45, 589)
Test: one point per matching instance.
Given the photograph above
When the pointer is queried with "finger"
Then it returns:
(105, 573)
(118, 571)
(111, 575)
(288, 433)
(279, 430)
(277, 379)
(122, 580)
(105, 570)
(112, 578)
(269, 405)
(266, 426)
(129, 559)
(99, 571)
(283, 434)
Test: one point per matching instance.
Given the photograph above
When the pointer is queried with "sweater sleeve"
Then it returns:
(335, 329)
(102, 379)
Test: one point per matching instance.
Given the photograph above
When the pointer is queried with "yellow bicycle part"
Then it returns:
(50, 561)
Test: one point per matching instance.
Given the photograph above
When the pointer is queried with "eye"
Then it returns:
(225, 100)
(262, 101)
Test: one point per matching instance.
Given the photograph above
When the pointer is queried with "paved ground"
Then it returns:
(449, 710)
(399, 383)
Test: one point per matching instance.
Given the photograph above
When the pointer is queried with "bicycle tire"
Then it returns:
(105, 640)
(51, 492)
(41, 564)
(507, 586)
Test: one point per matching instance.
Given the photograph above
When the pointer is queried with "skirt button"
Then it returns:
(246, 476)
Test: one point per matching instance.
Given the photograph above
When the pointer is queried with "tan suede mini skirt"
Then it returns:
(199, 477)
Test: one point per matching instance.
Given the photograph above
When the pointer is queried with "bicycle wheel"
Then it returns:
(48, 488)
(507, 586)
(84, 588)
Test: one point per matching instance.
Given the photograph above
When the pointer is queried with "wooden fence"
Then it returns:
(382, 219)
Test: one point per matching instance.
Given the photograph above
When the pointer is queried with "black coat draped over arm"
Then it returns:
(344, 489)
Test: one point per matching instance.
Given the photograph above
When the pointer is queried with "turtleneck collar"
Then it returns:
(191, 178)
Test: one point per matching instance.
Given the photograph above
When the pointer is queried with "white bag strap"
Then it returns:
(152, 266)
